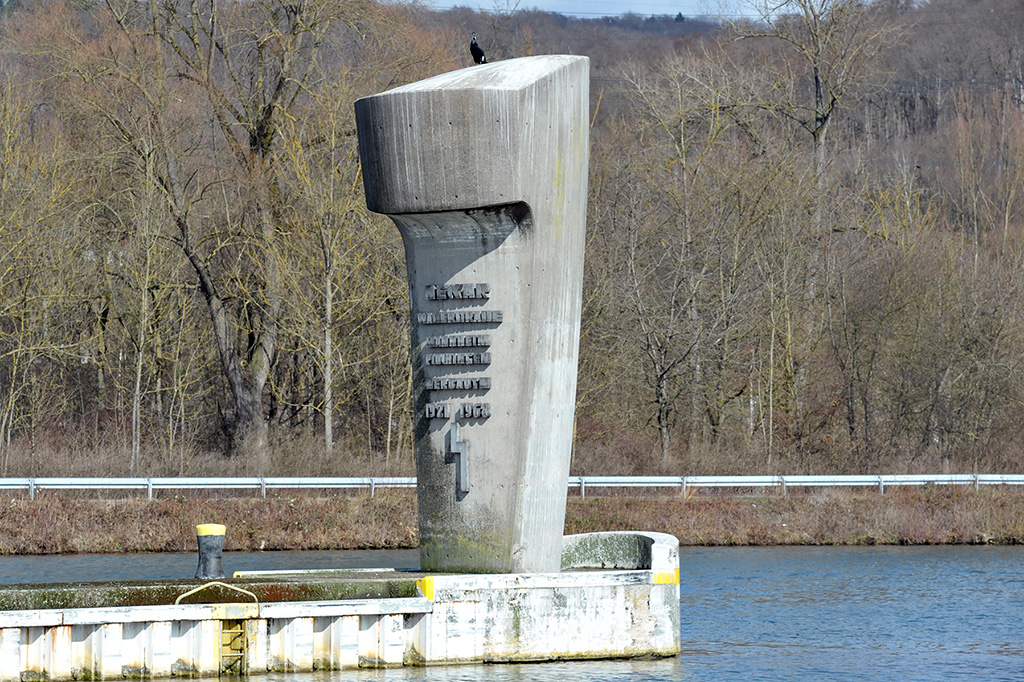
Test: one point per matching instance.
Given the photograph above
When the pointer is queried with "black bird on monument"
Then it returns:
(477, 52)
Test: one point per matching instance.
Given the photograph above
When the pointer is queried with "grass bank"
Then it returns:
(61, 524)
(940, 515)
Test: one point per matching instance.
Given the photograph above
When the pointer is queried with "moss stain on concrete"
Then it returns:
(152, 593)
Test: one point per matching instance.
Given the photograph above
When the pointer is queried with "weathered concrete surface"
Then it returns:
(484, 171)
(414, 619)
(567, 615)
(624, 550)
(203, 640)
(348, 585)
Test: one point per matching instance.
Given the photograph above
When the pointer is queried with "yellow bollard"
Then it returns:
(210, 537)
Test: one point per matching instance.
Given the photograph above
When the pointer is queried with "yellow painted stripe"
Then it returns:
(666, 577)
(426, 585)
(210, 529)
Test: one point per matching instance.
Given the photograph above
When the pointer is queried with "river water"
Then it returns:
(807, 614)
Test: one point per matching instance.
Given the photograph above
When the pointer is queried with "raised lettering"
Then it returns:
(458, 341)
(474, 411)
(458, 359)
(437, 411)
(458, 292)
(460, 317)
(458, 384)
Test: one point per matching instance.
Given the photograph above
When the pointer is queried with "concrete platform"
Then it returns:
(616, 597)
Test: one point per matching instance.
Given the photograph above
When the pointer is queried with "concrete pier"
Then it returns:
(484, 171)
(618, 596)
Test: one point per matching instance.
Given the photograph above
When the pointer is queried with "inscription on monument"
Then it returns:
(474, 411)
(458, 291)
(474, 292)
(437, 411)
(460, 317)
(456, 384)
(459, 359)
(459, 341)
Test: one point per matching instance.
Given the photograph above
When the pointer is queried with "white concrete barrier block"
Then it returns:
(465, 624)
(136, 651)
(428, 637)
(392, 642)
(33, 660)
(161, 654)
(415, 636)
(11, 661)
(86, 650)
(258, 649)
(197, 644)
(324, 656)
(350, 632)
(291, 644)
(302, 633)
(109, 650)
(182, 642)
(369, 637)
(59, 654)
(337, 642)
(207, 639)
(381, 641)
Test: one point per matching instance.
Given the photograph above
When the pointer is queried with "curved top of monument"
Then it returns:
(509, 74)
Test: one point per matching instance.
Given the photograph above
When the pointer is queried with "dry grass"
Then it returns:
(56, 523)
(49, 453)
(931, 516)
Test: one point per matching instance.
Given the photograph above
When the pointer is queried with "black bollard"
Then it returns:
(211, 544)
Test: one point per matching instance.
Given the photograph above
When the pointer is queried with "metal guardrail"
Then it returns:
(150, 485)
(685, 483)
(682, 483)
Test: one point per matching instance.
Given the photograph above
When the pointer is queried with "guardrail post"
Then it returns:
(782, 481)
(881, 486)
(682, 488)
(31, 488)
(149, 489)
(373, 487)
(263, 488)
(977, 481)
(583, 487)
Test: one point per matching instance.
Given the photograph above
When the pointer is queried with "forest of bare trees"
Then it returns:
(805, 248)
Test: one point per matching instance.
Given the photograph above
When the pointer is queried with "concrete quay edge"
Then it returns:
(580, 613)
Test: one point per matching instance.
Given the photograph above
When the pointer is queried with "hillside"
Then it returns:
(804, 237)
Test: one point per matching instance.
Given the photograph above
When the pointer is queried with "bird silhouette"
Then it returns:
(477, 52)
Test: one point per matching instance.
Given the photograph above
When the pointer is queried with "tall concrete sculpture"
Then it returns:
(484, 171)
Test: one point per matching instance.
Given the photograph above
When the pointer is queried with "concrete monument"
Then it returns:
(484, 171)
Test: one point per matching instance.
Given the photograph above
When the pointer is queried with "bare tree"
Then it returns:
(248, 66)
(40, 264)
(353, 283)
(687, 219)
(828, 54)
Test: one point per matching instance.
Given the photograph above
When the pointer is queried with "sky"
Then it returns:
(599, 8)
